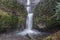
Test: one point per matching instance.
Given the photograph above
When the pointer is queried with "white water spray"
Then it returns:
(28, 2)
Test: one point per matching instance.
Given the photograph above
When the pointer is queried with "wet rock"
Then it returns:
(18, 37)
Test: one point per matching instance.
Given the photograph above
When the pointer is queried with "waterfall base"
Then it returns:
(28, 31)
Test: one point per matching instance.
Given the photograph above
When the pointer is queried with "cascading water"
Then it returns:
(29, 21)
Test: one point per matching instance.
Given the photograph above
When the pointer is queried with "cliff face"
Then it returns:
(44, 14)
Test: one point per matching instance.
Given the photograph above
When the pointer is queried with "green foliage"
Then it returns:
(7, 20)
(12, 4)
(45, 13)
(49, 38)
(21, 20)
(58, 11)
(16, 10)
(0, 23)
(10, 20)
(14, 21)
(8, 3)
(51, 22)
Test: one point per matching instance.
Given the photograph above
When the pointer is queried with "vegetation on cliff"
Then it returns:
(46, 16)
(13, 15)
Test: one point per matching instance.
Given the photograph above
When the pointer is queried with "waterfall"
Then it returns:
(28, 2)
(29, 21)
